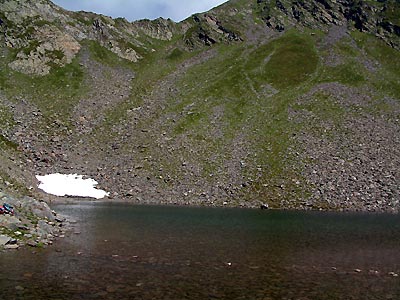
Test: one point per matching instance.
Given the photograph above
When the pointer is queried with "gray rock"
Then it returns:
(13, 246)
(31, 243)
(10, 222)
(59, 219)
(42, 210)
(43, 228)
(22, 227)
(4, 239)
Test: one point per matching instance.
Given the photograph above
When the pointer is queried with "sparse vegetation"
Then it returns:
(206, 117)
(55, 93)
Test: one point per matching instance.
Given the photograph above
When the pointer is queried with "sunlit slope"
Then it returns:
(244, 105)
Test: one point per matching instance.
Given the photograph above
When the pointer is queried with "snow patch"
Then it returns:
(70, 185)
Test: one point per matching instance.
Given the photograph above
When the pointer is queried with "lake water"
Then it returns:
(152, 252)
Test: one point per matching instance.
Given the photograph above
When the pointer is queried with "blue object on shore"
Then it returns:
(7, 209)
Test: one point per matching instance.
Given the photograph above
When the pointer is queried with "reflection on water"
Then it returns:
(147, 252)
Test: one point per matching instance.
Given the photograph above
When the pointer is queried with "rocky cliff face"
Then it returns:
(290, 103)
(380, 18)
(44, 35)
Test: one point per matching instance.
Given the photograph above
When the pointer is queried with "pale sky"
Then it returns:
(132, 10)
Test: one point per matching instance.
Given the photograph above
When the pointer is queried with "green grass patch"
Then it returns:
(84, 18)
(55, 54)
(6, 143)
(285, 62)
(387, 79)
(175, 54)
(379, 50)
(293, 61)
(31, 47)
(236, 77)
(124, 45)
(392, 12)
(344, 48)
(6, 118)
(55, 93)
(6, 124)
(12, 185)
(190, 120)
(324, 108)
(349, 73)
(104, 55)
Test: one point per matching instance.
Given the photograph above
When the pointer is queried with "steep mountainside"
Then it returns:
(290, 103)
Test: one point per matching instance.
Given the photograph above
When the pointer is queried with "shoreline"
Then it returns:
(33, 223)
(75, 200)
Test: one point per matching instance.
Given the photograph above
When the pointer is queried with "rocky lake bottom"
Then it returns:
(123, 251)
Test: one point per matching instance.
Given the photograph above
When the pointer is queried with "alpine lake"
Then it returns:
(126, 251)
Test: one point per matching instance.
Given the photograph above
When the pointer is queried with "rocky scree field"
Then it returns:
(294, 104)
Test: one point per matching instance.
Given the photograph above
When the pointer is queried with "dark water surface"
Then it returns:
(150, 252)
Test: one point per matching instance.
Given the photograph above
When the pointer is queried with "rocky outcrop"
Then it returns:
(44, 36)
(55, 48)
(206, 29)
(160, 29)
(362, 15)
(33, 224)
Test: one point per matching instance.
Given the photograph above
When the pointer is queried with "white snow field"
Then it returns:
(70, 185)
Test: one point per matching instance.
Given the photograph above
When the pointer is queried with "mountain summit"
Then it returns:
(294, 104)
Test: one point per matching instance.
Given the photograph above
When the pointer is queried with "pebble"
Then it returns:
(111, 289)
(31, 243)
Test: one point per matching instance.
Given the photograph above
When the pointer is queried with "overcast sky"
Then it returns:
(132, 10)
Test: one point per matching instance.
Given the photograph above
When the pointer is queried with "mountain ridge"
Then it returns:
(44, 20)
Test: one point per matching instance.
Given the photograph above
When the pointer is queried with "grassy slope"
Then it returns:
(252, 86)
(239, 80)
